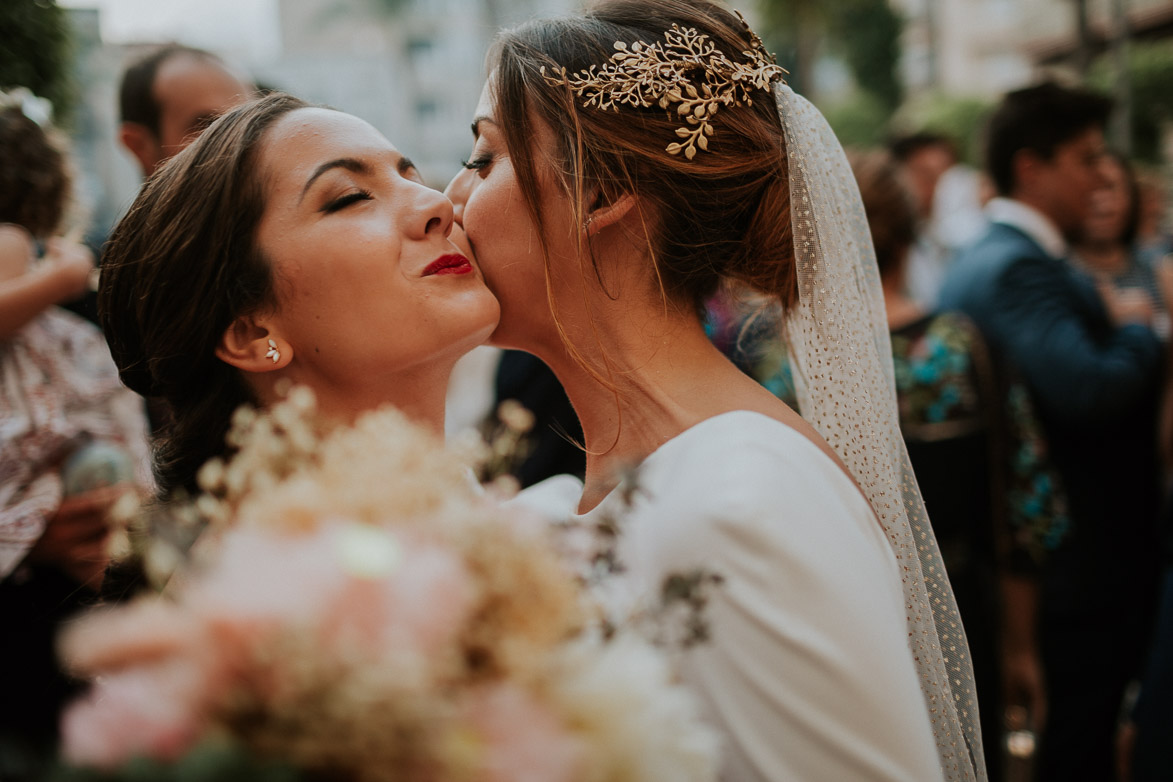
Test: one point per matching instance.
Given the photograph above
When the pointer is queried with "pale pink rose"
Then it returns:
(152, 711)
(523, 740)
(414, 597)
(114, 638)
(266, 578)
(427, 601)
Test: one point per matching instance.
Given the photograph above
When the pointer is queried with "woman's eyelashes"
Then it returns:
(346, 200)
(477, 162)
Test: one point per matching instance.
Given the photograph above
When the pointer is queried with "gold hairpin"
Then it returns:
(686, 69)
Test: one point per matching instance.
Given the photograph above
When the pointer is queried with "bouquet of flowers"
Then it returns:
(360, 609)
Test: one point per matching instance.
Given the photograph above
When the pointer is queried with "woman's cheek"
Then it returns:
(460, 239)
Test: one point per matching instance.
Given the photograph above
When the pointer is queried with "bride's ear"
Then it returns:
(604, 215)
(251, 346)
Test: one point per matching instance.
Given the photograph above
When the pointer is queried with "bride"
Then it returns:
(286, 244)
(627, 162)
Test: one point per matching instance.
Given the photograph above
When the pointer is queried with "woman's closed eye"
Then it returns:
(477, 162)
(346, 200)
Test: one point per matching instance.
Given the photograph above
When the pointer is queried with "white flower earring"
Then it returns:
(273, 353)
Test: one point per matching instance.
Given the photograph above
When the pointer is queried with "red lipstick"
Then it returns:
(448, 264)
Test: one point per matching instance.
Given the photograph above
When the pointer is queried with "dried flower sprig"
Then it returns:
(673, 620)
(686, 70)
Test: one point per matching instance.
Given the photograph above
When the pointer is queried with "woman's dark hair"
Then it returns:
(722, 215)
(178, 270)
(1039, 119)
(1132, 187)
(34, 175)
(889, 204)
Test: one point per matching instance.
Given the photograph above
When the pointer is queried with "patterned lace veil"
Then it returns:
(838, 339)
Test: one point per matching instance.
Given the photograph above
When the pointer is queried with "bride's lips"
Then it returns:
(448, 264)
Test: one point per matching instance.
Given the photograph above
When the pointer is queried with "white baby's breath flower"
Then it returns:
(243, 417)
(514, 415)
(301, 398)
(367, 552)
(468, 446)
(210, 508)
(641, 723)
(161, 560)
(126, 509)
(503, 487)
(211, 476)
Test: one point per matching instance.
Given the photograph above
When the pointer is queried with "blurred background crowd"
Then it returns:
(1041, 444)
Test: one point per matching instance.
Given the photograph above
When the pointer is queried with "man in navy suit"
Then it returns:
(1093, 366)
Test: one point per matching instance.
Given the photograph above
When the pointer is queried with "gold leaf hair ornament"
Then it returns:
(685, 69)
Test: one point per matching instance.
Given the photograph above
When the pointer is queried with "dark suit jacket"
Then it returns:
(552, 449)
(1095, 388)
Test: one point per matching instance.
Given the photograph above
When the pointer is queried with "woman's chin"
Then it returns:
(483, 318)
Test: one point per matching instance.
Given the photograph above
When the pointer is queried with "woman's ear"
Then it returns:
(250, 346)
(604, 215)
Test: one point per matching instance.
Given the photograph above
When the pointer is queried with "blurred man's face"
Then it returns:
(924, 169)
(1063, 187)
(191, 91)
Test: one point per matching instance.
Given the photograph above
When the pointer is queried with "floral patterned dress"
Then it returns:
(58, 388)
(958, 419)
(978, 454)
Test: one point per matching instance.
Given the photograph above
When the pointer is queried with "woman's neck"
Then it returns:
(1106, 257)
(665, 376)
(419, 393)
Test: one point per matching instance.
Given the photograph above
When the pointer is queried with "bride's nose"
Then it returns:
(457, 191)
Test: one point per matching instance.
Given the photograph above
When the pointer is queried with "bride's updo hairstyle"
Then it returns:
(723, 214)
(177, 271)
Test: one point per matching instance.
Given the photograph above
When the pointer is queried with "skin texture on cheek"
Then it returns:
(505, 240)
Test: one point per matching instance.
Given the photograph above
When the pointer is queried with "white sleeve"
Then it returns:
(808, 672)
(555, 499)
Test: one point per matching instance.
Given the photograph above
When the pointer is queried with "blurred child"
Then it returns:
(70, 432)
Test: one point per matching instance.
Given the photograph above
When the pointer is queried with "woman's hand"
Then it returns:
(75, 540)
(1022, 676)
(62, 276)
(1127, 305)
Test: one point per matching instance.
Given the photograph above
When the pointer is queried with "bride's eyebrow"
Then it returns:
(476, 125)
(349, 163)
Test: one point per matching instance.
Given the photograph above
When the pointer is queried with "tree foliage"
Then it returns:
(861, 121)
(864, 33)
(867, 36)
(960, 118)
(36, 51)
(1150, 68)
(795, 28)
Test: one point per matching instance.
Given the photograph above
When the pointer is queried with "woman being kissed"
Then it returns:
(627, 162)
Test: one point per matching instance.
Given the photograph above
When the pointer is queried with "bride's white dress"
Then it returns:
(808, 674)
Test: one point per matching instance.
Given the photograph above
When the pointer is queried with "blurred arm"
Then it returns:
(1077, 376)
(61, 277)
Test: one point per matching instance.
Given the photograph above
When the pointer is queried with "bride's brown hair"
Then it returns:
(724, 214)
(177, 271)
